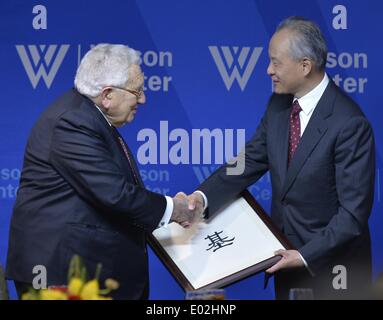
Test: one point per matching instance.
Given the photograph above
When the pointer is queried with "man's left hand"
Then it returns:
(290, 259)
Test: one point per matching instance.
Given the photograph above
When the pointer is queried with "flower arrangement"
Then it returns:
(78, 288)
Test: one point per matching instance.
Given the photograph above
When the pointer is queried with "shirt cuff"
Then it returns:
(168, 212)
(205, 204)
(306, 265)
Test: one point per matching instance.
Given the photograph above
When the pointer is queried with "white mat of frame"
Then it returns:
(238, 240)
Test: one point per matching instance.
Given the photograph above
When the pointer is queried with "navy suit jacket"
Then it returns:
(322, 201)
(77, 195)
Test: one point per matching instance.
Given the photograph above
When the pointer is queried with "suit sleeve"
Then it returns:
(82, 157)
(231, 179)
(355, 175)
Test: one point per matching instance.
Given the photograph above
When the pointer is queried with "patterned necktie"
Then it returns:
(295, 128)
(129, 157)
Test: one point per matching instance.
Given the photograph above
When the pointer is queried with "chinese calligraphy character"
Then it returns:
(217, 242)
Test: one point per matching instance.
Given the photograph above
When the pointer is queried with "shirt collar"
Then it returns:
(309, 101)
(103, 114)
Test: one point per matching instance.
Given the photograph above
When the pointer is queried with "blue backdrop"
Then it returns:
(205, 65)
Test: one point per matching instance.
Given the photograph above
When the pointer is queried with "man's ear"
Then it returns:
(307, 66)
(106, 97)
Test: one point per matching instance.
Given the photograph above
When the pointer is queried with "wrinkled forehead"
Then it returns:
(136, 77)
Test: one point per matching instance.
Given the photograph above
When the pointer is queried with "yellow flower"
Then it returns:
(75, 286)
(98, 297)
(27, 296)
(49, 294)
(90, 290)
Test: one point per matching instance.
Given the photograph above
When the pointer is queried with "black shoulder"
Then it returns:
(345, 105)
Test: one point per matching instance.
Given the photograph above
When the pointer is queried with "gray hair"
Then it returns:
(308, 40)
(104, 65)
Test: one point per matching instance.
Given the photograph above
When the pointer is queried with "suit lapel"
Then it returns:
(129, 159)
(313, 133)
(283, 140)
(89, 105)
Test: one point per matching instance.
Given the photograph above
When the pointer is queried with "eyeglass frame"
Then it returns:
(137, 93)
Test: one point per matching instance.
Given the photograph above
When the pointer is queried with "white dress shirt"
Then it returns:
(169, 201)
(309, 101)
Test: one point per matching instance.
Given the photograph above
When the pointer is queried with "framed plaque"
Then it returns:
(236, 242)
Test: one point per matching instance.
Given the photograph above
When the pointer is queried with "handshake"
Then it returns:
(187, 209)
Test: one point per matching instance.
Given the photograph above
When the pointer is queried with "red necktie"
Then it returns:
(295, 128)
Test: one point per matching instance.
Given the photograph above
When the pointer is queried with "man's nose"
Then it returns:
(270, 69)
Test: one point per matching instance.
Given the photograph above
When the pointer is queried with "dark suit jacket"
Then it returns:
(322, 201)
(77, 196)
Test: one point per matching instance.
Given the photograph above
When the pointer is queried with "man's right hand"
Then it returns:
(196, 202)
(186, 211)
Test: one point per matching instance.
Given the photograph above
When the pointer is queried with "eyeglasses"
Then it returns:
(137, 93)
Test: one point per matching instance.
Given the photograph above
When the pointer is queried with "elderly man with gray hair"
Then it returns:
(80, 189)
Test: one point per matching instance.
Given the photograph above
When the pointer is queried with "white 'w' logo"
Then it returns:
(51, 62)
(236, 62)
